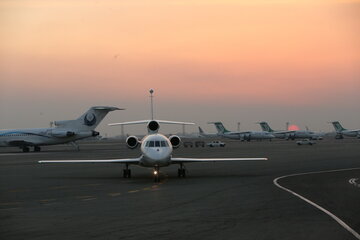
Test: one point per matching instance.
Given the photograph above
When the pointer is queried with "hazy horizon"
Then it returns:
(230, 61)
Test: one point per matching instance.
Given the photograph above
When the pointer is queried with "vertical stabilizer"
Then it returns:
(201, 132)
(220, 127)
(89, 120)
(265, 127)
(337, 126)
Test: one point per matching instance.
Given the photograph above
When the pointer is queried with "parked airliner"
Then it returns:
(289, 134)
(341, 132)
(243, 136)
(63, 132)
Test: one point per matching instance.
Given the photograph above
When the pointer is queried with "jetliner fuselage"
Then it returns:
(41, 136)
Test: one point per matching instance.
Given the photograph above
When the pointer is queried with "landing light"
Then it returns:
(155, 172)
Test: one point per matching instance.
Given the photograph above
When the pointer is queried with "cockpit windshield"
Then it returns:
(156, 144)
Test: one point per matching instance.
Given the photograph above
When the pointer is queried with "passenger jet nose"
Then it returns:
(157, 149)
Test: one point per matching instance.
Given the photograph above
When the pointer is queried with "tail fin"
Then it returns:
(265, 127)
(220, 127)
(337, 126)
(89, 120)
(201, 132)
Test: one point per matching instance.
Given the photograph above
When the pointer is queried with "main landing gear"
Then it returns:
(127, 172)
(25, 149)
(156, 174)
(181, 171)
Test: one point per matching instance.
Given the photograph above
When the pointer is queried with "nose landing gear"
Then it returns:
(156, 174)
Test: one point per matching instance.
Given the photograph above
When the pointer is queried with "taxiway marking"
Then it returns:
(338, 220)
(353, 182)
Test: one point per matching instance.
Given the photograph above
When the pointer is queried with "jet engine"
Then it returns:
(290, 136)
(153, 126)
(175, 141)
(339, 136)
(61, 133)
(132, 142)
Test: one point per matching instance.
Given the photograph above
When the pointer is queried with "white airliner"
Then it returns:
(243, 136)
(341, 132)
(156, 150)
(63, 132)
(290, 134)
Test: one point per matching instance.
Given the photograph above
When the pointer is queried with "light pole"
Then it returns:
(151, 100)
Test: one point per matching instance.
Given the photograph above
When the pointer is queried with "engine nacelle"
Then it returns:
(245, 137)
(153, 126)
(132, 142)
(290, 136)
(61, 133)
(175, 141)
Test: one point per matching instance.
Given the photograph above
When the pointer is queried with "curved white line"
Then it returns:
(353, 182)
(338, 220)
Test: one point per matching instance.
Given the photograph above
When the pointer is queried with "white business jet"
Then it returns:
(156, 150)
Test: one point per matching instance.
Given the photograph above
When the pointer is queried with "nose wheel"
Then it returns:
(181, 171)
(127, 172)
(156, 174)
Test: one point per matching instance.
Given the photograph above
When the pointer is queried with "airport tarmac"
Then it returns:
(224, 200)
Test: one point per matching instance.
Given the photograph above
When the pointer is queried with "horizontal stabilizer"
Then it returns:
(147, 121)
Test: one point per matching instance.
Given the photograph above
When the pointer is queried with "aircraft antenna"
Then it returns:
(152, 106)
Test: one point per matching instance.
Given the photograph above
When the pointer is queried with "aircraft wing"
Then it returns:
(187, 160)
(355, 130)
(20, 143)
(124, 160)
(238, 133)
(147, 121)
(284, 132)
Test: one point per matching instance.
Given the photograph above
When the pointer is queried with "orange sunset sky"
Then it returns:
(274, 60)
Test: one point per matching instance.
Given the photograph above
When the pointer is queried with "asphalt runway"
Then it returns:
(233, 200)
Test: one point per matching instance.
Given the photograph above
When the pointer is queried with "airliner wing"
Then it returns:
(187, 160)
(355, 130)
(19, 143)
(238, 133)
(124, 160)
(290, 131)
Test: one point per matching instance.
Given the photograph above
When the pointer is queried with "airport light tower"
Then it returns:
(151, 102)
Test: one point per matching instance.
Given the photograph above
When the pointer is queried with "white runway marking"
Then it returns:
(338, 220)
(353, 182)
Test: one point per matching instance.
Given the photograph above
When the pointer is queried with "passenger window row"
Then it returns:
(14, 135)
(156, 144)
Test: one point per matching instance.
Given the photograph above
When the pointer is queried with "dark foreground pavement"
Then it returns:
(234, 200)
